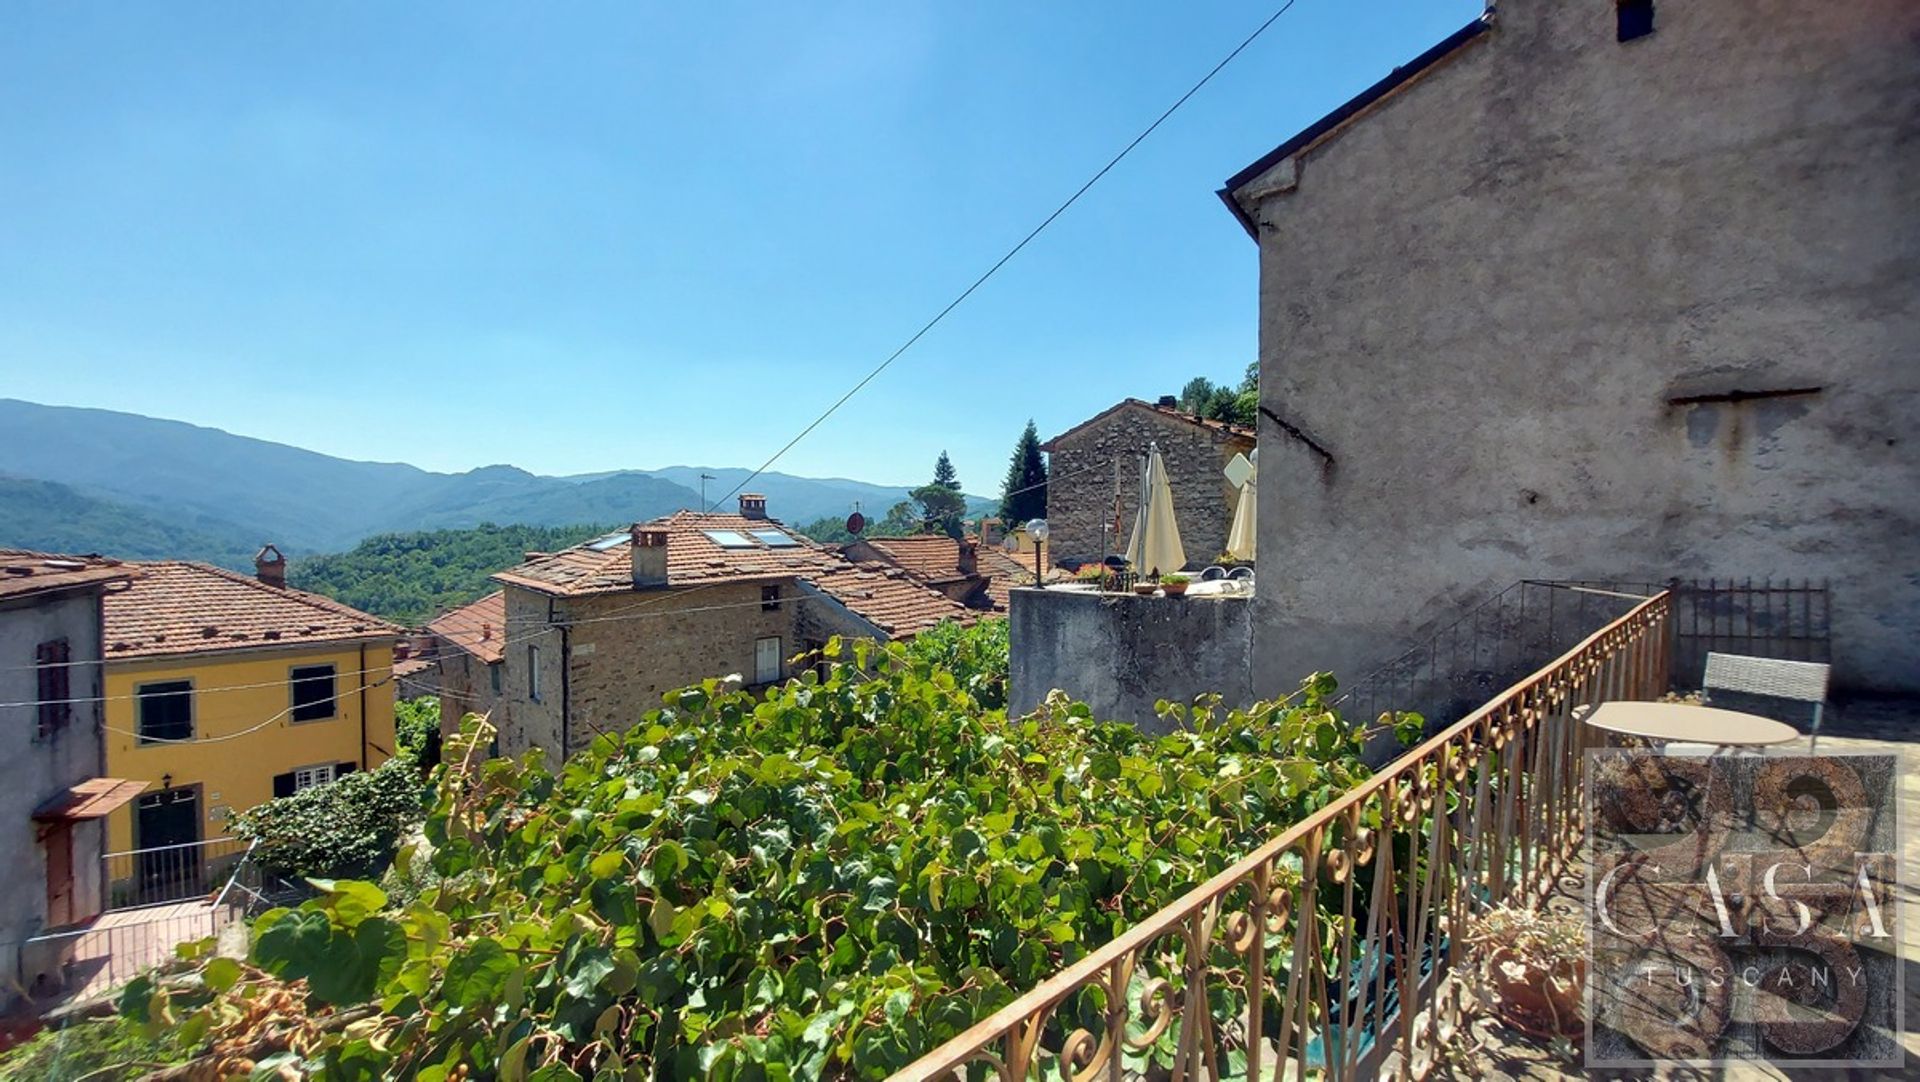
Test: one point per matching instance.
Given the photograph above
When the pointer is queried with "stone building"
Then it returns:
(53, 798)
(1097, 462)
(467, 658)
(597, 633)
(1596, 291)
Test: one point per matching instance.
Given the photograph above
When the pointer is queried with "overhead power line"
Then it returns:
(1015, 250)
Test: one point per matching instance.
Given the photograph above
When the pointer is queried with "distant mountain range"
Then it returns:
(90, 480)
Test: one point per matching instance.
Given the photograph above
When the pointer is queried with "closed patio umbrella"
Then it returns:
(1241, 537)
(1154, 547)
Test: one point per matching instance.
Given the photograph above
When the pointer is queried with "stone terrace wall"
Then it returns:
(1121, 653)
(1080, 502)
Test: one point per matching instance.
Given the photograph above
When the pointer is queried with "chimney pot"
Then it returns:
(649, 556)
(270, 566)
(753, 505)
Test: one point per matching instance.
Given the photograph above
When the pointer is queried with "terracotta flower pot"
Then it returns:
(1144, 589)
(1543, 1001)
(1174, 589)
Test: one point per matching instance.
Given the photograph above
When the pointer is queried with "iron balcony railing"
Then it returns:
(171, 873)
(1326, 950)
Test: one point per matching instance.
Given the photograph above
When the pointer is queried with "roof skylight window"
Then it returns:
(775, 539)
(611, 541)
(728, 539)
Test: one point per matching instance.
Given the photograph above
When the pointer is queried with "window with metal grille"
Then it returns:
(165, 710)
(56, 685)
(313, 692)
(1634, 18)
(307, 777)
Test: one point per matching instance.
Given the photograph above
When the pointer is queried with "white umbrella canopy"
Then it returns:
(1241, 538)
(1155, 547)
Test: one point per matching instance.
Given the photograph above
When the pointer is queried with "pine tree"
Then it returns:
(943, 473)
(1023, 495)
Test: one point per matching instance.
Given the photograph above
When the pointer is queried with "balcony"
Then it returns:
(157, 899)
(170, 873)
(1338, 949)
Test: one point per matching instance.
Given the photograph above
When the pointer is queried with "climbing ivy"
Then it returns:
(822, 883)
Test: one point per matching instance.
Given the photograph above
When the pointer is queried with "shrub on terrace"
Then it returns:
(824, 883)
(348, 828)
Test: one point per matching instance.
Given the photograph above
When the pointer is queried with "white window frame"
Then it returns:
(533, 672)
(307, 777)
(779, 660)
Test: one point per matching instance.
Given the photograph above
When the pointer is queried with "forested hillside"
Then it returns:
(50, 517)
(410, 577)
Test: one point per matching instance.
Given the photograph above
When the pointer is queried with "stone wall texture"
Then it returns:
(1120, 653)
(624, 651)
(464, 684)
(1484, 295)
(1081, 466)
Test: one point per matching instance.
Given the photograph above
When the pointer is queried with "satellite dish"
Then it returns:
(1239, 470)
(856, 522)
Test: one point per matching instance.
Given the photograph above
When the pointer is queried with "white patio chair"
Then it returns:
(1791, 691)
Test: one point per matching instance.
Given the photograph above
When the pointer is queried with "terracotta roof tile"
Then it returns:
(890, 599)
(932, 557)
(480, 628)
(23, 572)
(180, 607)
(693, 558)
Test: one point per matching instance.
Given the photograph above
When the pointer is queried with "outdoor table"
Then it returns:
(1684, 723)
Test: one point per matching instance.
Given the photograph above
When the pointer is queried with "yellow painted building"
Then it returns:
(224, 691)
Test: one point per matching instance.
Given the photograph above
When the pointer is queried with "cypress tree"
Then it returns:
(1023, 495)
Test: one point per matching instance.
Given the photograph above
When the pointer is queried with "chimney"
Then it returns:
(650, 556)
(753, 505)
(269, 566)
(969, 557)
(1168, 402)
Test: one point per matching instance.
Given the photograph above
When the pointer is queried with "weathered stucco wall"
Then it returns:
(1121, 653)
(35, 769)
(1080, 498)
(1483, 296)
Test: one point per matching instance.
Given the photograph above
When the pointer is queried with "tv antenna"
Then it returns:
(704, 478)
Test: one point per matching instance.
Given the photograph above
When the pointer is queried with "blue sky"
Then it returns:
(581, 237)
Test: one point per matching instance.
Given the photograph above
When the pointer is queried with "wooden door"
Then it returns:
(57, 841)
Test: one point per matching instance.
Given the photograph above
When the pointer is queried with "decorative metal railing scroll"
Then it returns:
(1324, 952)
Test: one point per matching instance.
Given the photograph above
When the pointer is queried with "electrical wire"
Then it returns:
(1016, 249)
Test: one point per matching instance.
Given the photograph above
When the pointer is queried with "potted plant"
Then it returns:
(1174, 585)
(1146, 584)
(1535, 968)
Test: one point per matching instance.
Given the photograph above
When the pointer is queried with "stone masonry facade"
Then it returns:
(623, 651)
(1562, 306)
(1082, 465)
